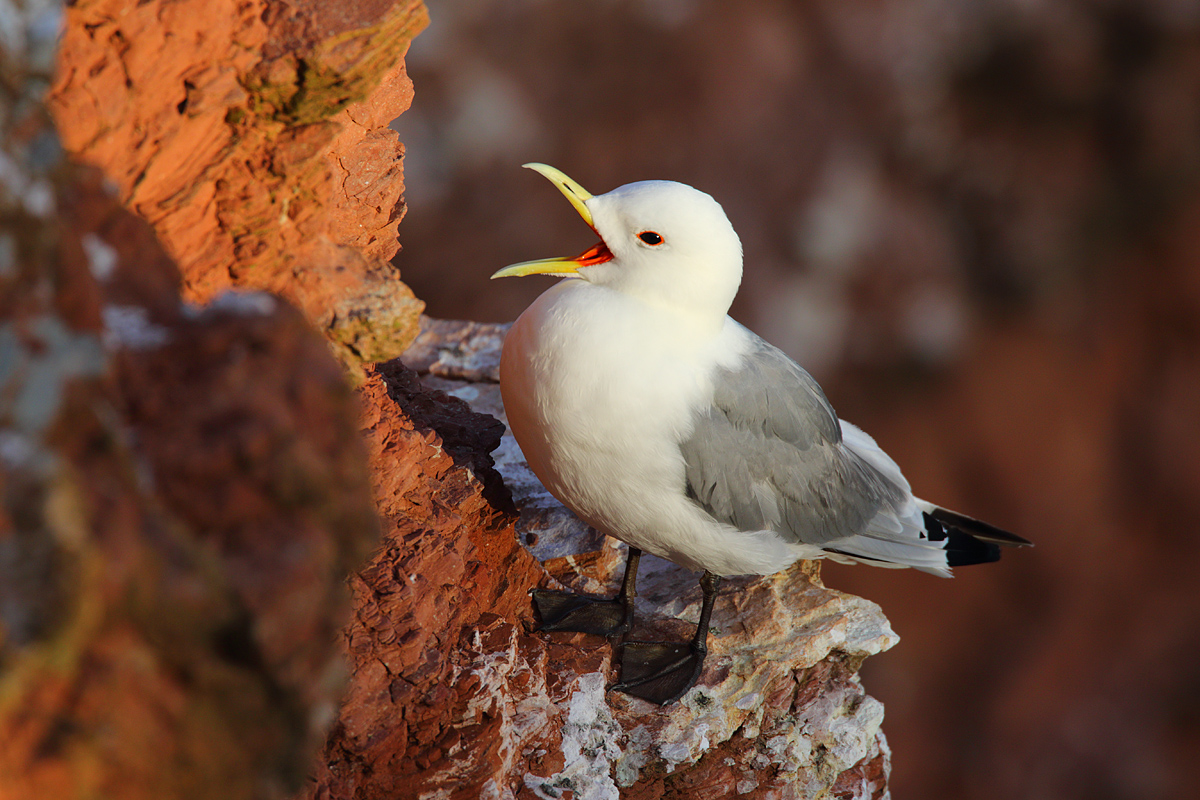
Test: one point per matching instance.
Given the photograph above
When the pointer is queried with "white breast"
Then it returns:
(599, 391)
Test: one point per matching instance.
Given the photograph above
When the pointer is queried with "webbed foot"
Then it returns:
(660, 672)
(566, 611)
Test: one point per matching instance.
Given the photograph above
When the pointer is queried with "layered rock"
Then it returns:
(184, 487)
(183, 495)
(253, 136)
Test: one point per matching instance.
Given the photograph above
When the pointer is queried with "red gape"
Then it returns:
(596, 254)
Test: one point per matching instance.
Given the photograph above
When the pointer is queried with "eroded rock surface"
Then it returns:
(253, 135)
(184, 489)
(183, 496)
(493, 710)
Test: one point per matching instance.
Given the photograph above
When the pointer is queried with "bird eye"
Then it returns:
(651, 238)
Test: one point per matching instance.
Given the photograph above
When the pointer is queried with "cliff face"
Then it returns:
(183, 495)
(253, 137)
(185, 488)
(188, 481)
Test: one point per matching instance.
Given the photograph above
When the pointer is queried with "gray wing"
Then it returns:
(767, 454)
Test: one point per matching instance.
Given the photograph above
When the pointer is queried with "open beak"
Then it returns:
(562, 267)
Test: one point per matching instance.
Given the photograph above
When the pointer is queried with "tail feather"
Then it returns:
(931, 539)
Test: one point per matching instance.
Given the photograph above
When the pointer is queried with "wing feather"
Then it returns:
(767, 453)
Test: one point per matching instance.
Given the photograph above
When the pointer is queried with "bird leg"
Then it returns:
(567, 611)
(662, 671)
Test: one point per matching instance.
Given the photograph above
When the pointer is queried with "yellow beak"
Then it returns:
(561, 267)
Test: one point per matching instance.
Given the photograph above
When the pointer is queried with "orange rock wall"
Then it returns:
(253, 136)
(450, 565)
(185, 488)
(183, 495)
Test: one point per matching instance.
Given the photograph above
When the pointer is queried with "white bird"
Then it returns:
(660, 421)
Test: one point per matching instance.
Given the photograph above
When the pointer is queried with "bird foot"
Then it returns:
(660, 672)
(567, 611)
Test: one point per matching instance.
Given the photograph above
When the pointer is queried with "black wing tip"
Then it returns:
(975, 528)
(968, 541)
(963, 550)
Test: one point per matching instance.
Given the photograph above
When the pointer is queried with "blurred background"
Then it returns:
(978, 225)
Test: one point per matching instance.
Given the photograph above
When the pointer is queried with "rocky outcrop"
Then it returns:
(183, 496)
(184, 487)
(452, 694)
(188, 480)
(253, 136)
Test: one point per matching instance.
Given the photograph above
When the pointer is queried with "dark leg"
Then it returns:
(567, 611)
(662, 671)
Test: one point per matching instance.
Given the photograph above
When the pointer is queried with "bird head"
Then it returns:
(661, 241)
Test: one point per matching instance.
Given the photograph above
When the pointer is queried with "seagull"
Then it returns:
(660, 421)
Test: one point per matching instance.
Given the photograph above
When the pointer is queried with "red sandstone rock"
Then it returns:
(253, 136)
(183, 495)
(184, 490)
(448, 558)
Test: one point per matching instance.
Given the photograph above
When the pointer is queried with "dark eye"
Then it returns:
(651, 238)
